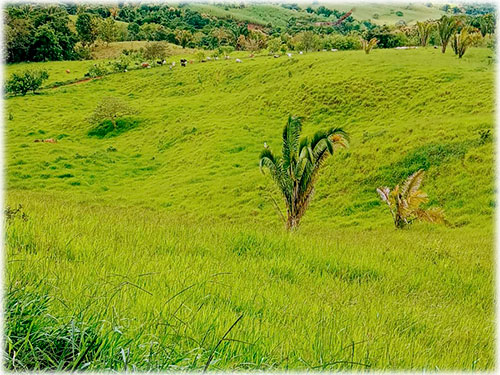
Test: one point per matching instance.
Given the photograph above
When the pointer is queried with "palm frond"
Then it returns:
(432, 215)
(291, 135)
(267, 160)
(415, 199)
(384, 192)
(412, 183)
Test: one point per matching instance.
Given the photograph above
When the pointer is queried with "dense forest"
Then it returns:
(69, 31)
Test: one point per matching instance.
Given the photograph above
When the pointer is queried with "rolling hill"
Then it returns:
(162, 240)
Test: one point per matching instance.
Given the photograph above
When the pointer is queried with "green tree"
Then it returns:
(108, 31)
(306, 41)
(46, 44)
(446, 28)
(183, 37)
(30, 80)
(86, 27)
(274, 45)
(297, 171)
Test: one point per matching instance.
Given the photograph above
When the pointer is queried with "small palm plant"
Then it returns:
(404, 203)
(424, 30)
(461, 41)
(368, 45)
(296, 172)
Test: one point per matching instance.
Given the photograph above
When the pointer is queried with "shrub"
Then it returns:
(342, 42)
(200, 56)
(375, 16)
(122, 63)
(106, 129)
(96, 70)
(399, 13)
(110, 109)
(30, 80)
(83, 52)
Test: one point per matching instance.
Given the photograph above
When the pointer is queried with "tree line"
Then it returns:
(69, 31)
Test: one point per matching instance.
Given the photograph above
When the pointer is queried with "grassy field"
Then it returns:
(161, 248)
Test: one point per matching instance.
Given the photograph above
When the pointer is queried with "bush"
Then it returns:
(375, 16)
(122, 63)
(83, 52)
(30, 80)
(106, 128)
(96, 70)
(200, 56)
(399, 13)
(341, 42)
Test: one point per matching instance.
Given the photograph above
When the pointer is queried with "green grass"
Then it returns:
(166, 233)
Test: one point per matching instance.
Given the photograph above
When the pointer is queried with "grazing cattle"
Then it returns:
(163, 62)
(227, 57)
(50, 140)
(38, 140)
(209, 58)
(191, 61)
(68, 71)
(159, 62)
(125, 70)
(183, 62)
(334, 49)
(238, 60)
(251, 55)
(276, 56)
(145, 65)
(289, 55)
(324, 50)
(216, 58)
(436, 47)
(301, 52)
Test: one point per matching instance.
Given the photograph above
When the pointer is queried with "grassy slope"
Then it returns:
(182, 202)
(387, 12)
(279, 16)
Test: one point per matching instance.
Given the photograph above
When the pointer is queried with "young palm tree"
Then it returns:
(446, 28)
(424, 30)
(368, 45)
(404, 203)
(461, 41)
(296, 172)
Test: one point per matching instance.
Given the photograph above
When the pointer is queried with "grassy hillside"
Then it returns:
(279, 16)
(167, 232)
(387, 12)
(254, 13)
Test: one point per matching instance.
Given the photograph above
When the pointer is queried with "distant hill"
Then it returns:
(277, 15)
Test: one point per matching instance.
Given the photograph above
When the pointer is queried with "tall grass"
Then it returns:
(164, 291)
